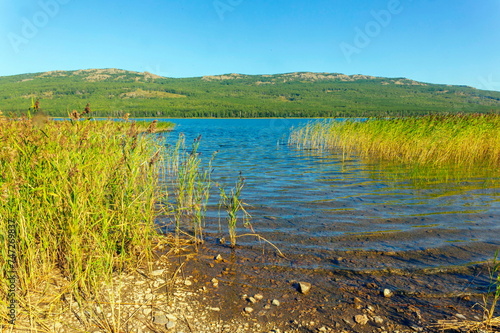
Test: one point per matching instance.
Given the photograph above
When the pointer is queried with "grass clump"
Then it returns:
(77, 204)
(231, 202)
(489, 323)
(435, 140)
(493, 296)
(191, 185)
(154, 127)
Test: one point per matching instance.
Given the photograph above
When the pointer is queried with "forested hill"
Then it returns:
(114, 92)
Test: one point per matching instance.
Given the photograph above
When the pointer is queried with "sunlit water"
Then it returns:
(314, 203)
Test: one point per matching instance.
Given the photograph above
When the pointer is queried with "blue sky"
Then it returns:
(437, 41)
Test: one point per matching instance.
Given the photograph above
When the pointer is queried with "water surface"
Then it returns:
(317, 206)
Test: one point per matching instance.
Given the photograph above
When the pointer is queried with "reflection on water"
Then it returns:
(316, 203)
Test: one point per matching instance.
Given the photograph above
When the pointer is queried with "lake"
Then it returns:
(320, 207)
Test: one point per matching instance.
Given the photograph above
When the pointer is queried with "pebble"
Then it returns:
(361, 319)
(387, 292)
(158, 272)
(258, 296)
(218, 257)
(275, 302)
(304, 287)
(248, 309)
(378, 320)
(170, 325)
(171, 317)
(160, 319)
(252, 300)
(146, 311)
(188, 282)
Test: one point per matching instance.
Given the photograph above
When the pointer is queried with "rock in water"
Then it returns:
(304, 287)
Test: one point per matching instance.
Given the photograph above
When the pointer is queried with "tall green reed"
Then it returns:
(233, 205)
(81, 195)
(192, 184)
(464, 140)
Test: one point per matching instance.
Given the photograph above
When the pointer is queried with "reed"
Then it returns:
(233, 205)
(191, 184)
(77, 204)
(464, 140)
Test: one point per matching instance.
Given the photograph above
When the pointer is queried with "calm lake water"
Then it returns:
(316, 207)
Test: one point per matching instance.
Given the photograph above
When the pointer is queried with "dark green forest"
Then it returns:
(115, 92)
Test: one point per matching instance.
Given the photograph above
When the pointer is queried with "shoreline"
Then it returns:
(215, 290)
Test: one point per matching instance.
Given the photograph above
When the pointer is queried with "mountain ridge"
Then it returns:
(301, 74)
(113, 91)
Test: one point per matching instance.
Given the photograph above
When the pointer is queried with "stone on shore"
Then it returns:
(304, 287)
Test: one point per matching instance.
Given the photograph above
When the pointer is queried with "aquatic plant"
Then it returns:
(191, 184)
(77, 204)
(231, 202)
(464, 140)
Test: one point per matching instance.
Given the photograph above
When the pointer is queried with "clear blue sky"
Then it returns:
(437, 41)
